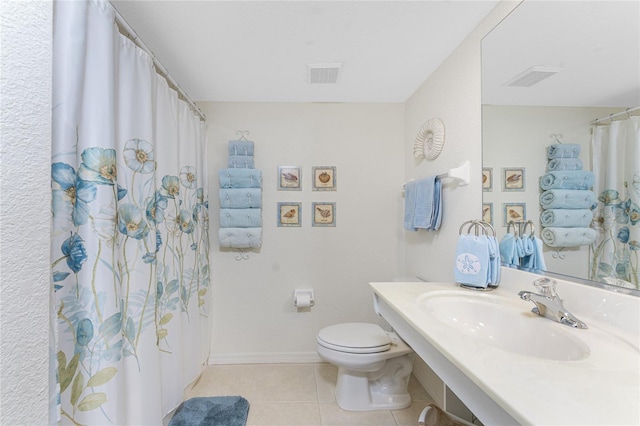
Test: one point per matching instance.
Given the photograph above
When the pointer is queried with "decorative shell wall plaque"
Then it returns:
(430, 140)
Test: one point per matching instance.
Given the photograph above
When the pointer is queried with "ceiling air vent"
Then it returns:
(323, 73)
(532, 76)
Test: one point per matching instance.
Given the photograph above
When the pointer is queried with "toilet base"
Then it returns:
(385, 389)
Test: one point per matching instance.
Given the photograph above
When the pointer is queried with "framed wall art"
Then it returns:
(289, 214)
(289, 178)
(323, 214)
(487, 213)
(513, 179)
(513, 211)
(487, 179)
(324, 178)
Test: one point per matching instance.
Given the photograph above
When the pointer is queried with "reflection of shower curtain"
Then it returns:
(130, 228)
(615, 255)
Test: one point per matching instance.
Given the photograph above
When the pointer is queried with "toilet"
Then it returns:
(373, 366)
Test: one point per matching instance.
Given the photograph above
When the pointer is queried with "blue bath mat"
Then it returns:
(212, 411)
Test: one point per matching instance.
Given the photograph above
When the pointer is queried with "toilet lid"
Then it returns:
(355, 337)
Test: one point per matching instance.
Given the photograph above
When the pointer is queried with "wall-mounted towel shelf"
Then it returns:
(461, 174)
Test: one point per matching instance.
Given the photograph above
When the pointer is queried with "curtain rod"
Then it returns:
(133, 36)
(617, 114)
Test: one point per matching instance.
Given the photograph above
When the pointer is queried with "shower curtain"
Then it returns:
(130, 243)
(616, 164)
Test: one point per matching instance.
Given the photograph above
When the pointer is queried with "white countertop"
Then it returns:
(601, 389)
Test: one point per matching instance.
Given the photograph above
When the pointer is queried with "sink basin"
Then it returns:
(504, 324)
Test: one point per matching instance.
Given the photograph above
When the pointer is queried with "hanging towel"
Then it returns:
(240, 218)
(240, 198)
(567, 199)
(565, 150)
(241, 148)
(508, 250)
(240, 178)
(241, 162)
(577, 179)
(472, 261)
(494, 261)
(566, 164)
(422, 204)
(567, 237)
(240, 237)
(535, 261)
(566, 218)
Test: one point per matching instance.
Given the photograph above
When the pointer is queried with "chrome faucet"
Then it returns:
(548, 303)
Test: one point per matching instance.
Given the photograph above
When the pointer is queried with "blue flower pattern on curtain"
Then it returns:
(143, 223)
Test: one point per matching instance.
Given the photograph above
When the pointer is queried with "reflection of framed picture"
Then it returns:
(324, 178)
(289, 178)
(289, 214)
(487, 213)
(487, 179)
(324, 214)
(513, 179)
(513, 211)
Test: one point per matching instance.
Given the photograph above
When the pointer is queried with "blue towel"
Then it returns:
(240, 198)
(494, 261)
(577, 179)
(241, 162)
(566, 218)
(423, 207)
(567, 237)
(472, 261)
(240, 178)
(565, 150)
(508, 250)
(535, 261)
(568, 164)
(567, 199)
(240, 237)
(241, 148)
(240, 218)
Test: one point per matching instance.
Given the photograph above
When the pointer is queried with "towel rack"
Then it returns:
(461, 174)
(520, 227)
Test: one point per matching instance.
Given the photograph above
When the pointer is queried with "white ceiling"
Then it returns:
(596, 43)
(259, 50)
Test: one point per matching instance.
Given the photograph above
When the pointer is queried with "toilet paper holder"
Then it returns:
(303, 298)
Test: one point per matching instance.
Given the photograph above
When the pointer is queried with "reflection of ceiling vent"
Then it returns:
(323, 73)
(532, 76)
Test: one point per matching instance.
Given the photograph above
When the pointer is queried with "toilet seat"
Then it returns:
(355, 338)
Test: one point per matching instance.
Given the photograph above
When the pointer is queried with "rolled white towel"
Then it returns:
(567, 237)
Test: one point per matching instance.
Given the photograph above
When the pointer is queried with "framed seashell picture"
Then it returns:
(289, 178)
(289, 214)
(487, 179)
(324, 178)
(513, 179)
(323, 214)
(513, 212)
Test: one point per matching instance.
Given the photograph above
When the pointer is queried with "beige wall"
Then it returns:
(254, 316)
(451, 93)
(25, 209)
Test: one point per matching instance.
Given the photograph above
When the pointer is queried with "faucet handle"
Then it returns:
(547, 286)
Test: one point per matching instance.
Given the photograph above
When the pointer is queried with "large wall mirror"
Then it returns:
(550, 69)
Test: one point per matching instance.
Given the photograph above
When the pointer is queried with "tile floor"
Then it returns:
(299, 395)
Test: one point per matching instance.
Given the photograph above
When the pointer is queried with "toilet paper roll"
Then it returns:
(303, 300)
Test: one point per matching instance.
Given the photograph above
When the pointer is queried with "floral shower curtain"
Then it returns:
(615, 255)
(130, 243)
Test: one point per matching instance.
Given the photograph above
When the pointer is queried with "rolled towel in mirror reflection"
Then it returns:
(577, 179)
(565, 150)
(567, 199)
(567, 218)
(567, 164)
(567, 237)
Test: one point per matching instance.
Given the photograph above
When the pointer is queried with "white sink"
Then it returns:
(505, 324)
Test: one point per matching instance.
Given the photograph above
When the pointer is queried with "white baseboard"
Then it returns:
(264, 358)
(429, 381)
